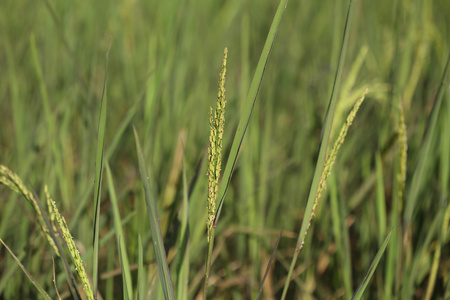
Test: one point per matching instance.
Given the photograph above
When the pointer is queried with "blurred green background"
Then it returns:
(163, 69)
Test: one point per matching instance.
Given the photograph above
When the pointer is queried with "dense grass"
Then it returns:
(164, 63)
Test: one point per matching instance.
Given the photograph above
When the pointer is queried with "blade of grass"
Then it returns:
(392, 267)
(380, 200)
(110, 265)
(269, 263)
(444, 179)
(125, 282)
(140, 294)
(98, 174)
(363, 285)
(416, 182)
(33, 281)
(109, 152)
(248, 106)
(119, 232)
(158, 244)
(326, 131)
(340, 231)
(183, 248)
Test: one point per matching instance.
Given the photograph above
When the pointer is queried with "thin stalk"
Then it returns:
(208, 262)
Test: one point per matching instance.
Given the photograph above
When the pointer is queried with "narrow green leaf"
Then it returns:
(392, 256)
(326, 131)
(183, 244)
(158, 244)
(122, 271)
(340, 231)
(424, 156)
(119, 232)
(363, 285)
(248, 106)
(33, 281)
(140, 294)
(108, 153)
(98, 174)
(380, 200)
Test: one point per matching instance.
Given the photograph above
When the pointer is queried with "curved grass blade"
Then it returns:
(125, 283)
(119, 233)
(115, 140)
(363, 285)
(416, 183)
(248, 106)
(326, 132)
(158, 244)
(98, 174)
(33, 281)
(270, 263)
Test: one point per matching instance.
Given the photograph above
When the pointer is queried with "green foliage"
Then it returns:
(158, 243)
(391, 172)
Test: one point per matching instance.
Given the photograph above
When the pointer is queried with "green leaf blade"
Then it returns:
(155, 228)
(363, 285)
(326, 132)
(248, 106)
(119, 233)
(98, 175)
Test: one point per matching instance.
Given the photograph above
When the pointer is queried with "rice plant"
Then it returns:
(329, 179)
